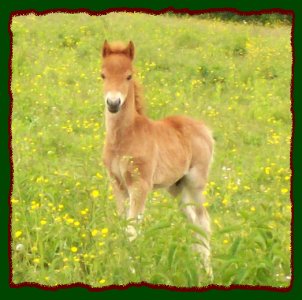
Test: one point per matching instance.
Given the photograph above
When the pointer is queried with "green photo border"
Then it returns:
(7, 8)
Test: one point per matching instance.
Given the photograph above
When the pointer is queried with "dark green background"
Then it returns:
(8, 7)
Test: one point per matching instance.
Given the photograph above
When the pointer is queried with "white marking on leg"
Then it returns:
(197, 214)
(131, 232)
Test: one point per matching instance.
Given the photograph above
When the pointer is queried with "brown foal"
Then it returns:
(142, 154)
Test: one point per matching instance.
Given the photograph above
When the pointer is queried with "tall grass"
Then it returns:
(235, 77)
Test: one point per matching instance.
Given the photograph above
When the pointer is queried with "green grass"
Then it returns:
(235, 77)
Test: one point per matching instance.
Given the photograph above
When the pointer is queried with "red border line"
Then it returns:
(152, 12)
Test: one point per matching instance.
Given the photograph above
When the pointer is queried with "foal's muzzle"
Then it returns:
(113, 105)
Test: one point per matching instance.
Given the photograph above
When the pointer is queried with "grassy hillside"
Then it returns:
(234, 77)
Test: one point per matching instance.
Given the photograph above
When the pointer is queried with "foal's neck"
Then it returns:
(117, 123)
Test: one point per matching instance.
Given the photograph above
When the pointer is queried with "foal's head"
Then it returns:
(117, 73)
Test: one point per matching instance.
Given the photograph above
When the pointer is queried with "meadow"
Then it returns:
(236, 77)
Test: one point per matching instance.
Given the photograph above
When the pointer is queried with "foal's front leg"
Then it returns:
(138, 191)
(120, 194)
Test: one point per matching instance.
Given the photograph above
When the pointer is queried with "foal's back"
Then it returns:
(182, 144)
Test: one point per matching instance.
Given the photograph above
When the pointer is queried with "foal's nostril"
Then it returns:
(113, 105)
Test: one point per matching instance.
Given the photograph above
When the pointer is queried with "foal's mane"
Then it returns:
(138, 98)
(121, 48)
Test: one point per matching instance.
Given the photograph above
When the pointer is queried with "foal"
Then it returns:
(141, 154)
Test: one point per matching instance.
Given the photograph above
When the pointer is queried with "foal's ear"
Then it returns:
(106, 49)
(130, 50)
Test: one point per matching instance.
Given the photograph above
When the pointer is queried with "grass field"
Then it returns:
(235, 77)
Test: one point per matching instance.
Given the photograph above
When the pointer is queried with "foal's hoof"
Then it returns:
(131, 232)
(210, 274)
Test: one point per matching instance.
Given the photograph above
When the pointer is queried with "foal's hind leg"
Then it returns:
(193, 200)
(176, 188)
(198, 215)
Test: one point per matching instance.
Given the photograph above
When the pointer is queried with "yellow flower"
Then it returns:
(34, 205)
(70, 220)
(84, 211)
(18, 233)
(216, 221)
(224, 201)
(94, 232)
(284, 190)
(74, 249)
(98, 175)
(267, 170)
(36, 260)
(102, 281)
(43, 222)
(225, 241)
(14, 201)
(95, 193)
(104, 231)
(40, 179)
(253, 208)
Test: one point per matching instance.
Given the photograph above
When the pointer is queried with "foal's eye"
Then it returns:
(103, 76)
(129, 77)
